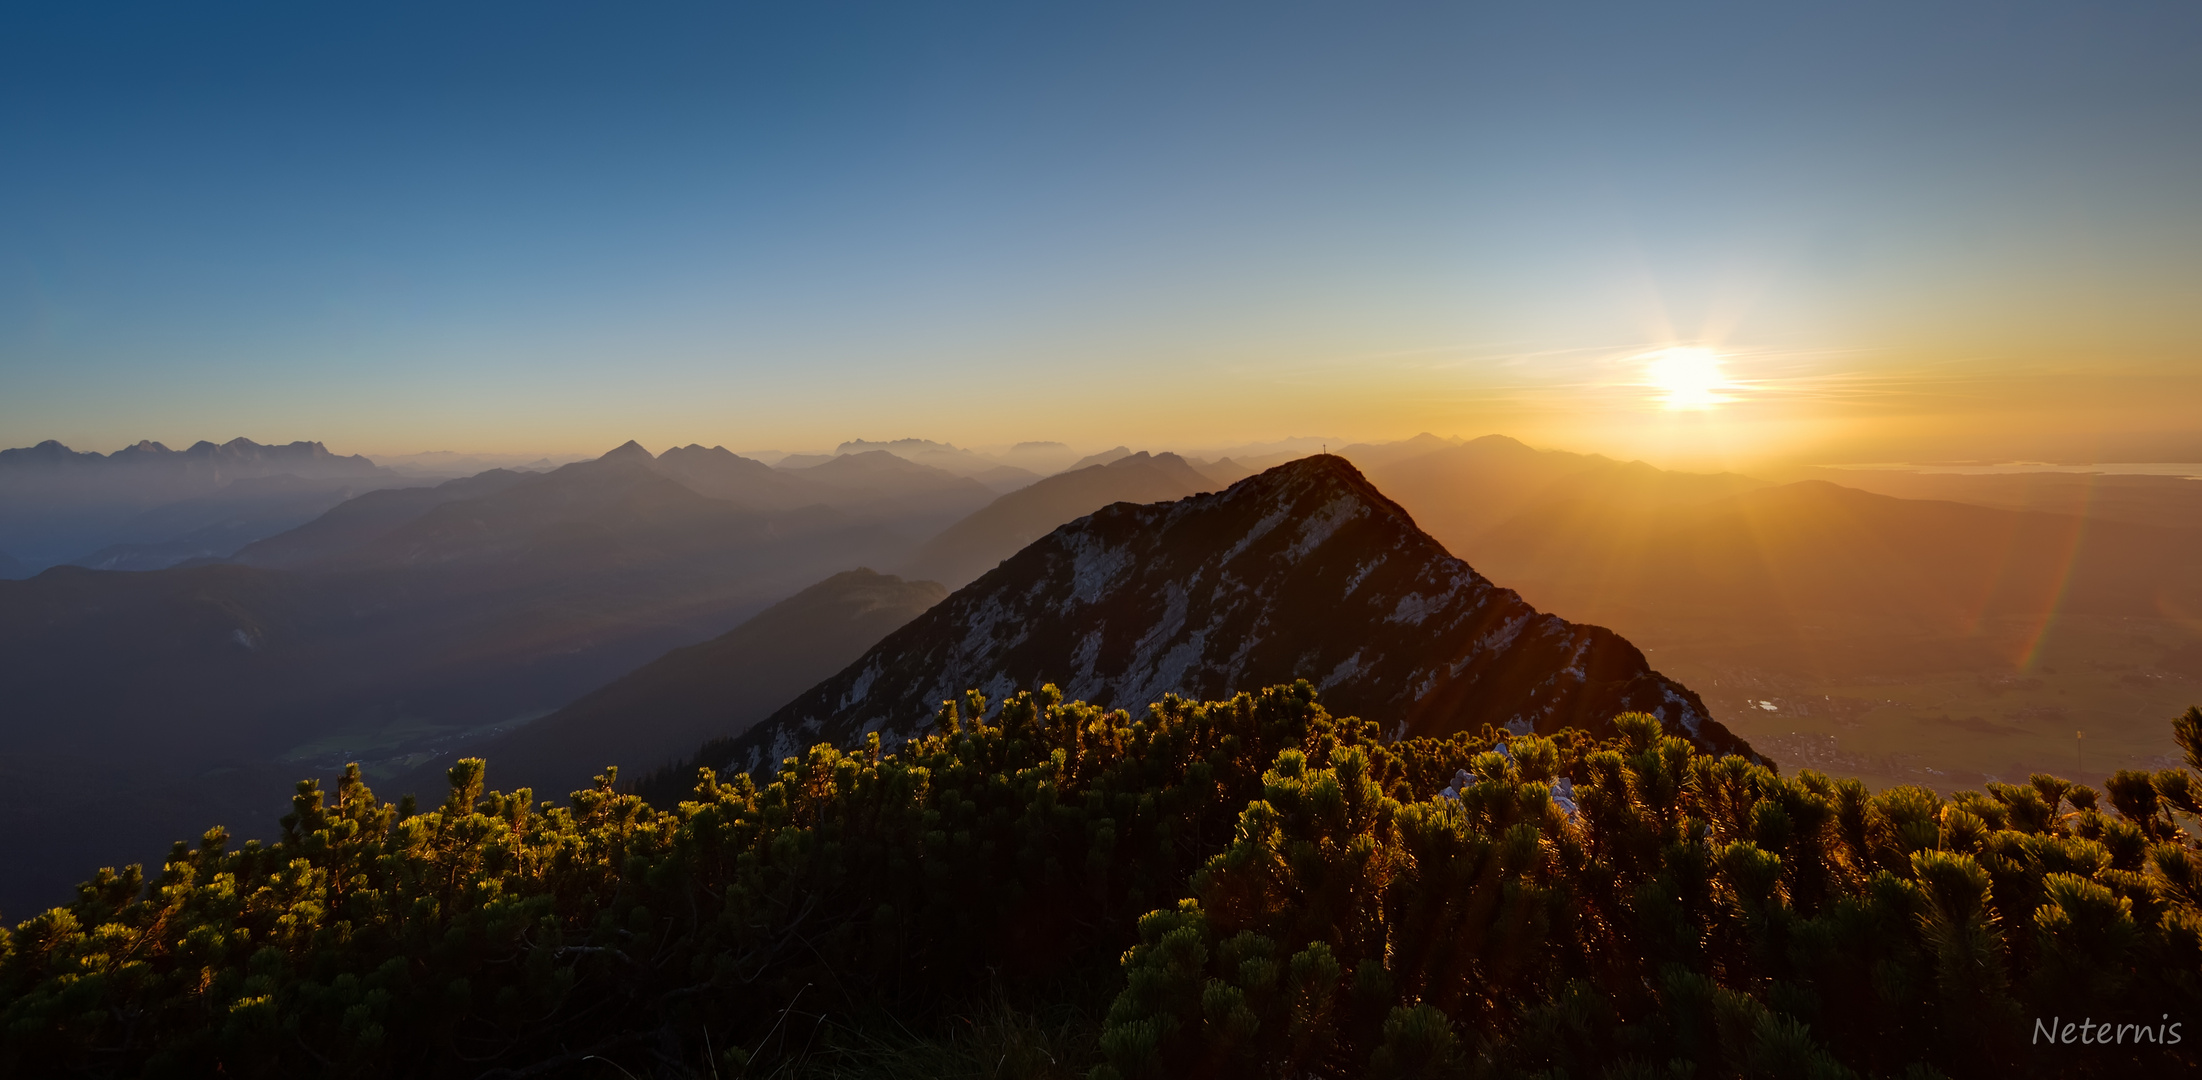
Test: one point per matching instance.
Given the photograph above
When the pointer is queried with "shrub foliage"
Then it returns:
(1247, 888)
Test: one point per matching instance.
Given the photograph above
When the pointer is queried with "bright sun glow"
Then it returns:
(1689, 377)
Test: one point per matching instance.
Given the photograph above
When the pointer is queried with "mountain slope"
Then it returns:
(716, 688)
(356, 523)
(1102, 458)
(719, 473)
(1305, 571)
(977, 543)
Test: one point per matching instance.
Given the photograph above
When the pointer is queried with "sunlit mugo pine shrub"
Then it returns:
(1687, 916)
(1330, 904)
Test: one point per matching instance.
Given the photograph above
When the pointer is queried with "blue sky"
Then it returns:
(1906, 228)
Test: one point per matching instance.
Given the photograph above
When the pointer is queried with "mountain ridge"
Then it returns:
(1259, 584)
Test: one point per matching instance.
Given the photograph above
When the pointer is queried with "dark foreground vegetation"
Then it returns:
(1239, 888)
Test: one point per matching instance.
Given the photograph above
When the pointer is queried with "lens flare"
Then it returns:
(1687, 377)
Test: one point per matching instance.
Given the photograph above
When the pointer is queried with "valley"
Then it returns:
(1963, 726)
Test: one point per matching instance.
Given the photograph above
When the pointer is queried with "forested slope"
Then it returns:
(1298, 898)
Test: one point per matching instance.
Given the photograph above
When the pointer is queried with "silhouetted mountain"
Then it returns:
(878, 486)
(356, 523)
(998, 476)
(1367, 456)
(586, 508)
(1223, 472)
(437, 465)
(974, 545)
(869, 490)
(866, 470)
(1043, 457)
(1306, 571)
(1102, 458)
(722, 474)
(56, 503)
(720, 687)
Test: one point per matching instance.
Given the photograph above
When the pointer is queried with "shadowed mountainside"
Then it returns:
(666, 707)
(358, 522)
(1305, 571)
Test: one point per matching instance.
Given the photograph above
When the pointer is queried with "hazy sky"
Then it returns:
(1905, 230)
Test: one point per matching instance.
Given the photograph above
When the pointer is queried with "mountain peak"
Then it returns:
(629, 451)
(50, 451)
(1305, 571)
(1298, 481)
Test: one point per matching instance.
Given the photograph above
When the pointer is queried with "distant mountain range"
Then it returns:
(1305, 571)
(209, 464)
(404, 624)
(121, 509)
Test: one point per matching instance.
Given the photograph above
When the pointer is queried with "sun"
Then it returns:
(1688, 376)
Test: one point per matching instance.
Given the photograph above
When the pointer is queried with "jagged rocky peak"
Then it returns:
(1303, 571)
